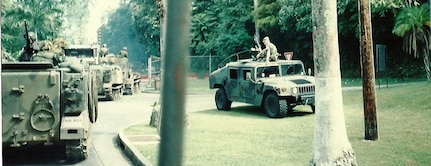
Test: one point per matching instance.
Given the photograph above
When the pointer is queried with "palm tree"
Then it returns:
(413, 24)
(331, 144)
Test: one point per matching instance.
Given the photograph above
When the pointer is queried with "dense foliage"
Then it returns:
(221, 28)
(119, 32)
(48, 19)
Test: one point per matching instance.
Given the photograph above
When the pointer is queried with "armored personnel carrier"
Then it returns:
(113, 83)
(88, 55)
(131, 79)
(276, 86)
(48, 105)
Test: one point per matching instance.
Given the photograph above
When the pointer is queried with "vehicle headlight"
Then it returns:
(294, 90)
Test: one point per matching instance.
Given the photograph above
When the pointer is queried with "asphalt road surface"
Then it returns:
(113, 117)
(105, 150)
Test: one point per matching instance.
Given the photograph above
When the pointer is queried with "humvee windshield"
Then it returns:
(274, 71)
(292, 69)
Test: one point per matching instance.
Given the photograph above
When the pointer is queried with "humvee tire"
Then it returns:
(274, 107)
(221, 100)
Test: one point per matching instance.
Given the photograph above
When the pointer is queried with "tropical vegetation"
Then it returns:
(223, 27)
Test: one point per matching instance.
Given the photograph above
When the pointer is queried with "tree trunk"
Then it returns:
(331, 145)
(367, 65)
(175, 64)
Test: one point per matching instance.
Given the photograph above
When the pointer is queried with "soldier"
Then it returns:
(104, 51)
(123, 53)
(58, 49)
(270, 52)
(45, 53)
(31, 47)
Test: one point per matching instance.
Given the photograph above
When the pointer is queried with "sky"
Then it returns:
(98, 9)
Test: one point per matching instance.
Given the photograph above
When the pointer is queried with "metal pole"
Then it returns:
(175, 64)
(209, 67)
(368, 78)
(150, 71)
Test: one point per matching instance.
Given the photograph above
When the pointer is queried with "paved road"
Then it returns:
(113, 116)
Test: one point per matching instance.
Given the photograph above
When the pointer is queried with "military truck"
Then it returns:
(43, 104)
(275, 86)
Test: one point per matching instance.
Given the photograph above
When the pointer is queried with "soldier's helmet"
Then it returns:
(265, 39)
(31, 36)
(125, 48)
(45, 45)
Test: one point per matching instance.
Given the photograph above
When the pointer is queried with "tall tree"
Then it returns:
(413, 24)
(146, 19)
(367, 65)
(331, 145)
(44, 17)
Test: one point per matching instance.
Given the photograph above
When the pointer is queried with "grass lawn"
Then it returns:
(246, 136)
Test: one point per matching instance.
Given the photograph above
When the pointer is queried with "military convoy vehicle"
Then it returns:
(48, 105)
(129, 80)
(109, 78)
(113, 83)
(275, 86)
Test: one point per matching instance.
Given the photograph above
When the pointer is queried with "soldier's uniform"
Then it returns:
(104, 51)
(44, 54)
(270, 52)
(123, 53)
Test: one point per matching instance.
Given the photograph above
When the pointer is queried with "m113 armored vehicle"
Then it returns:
(48, 105)
(276, 86)
(113, 83)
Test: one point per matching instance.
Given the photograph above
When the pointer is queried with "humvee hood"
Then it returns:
(289, 81)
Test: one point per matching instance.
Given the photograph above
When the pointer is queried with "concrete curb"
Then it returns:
(131, 151)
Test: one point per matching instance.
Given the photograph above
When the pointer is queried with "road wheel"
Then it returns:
(274, 107)
(76, 150)
(221, 100)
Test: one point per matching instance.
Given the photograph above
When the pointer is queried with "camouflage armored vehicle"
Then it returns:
(88, 55)
(275, 86)
(48, 105)
(113, 83)
(131, 80)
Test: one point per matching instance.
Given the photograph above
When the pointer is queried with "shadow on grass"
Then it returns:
(254, 112)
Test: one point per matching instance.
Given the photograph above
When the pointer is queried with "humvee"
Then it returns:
(276, 86)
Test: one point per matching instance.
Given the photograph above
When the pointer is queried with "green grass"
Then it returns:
(245, 136)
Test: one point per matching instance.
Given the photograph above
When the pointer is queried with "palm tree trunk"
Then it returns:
(331, 145)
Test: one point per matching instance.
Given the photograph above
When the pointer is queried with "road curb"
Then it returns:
(135, 156)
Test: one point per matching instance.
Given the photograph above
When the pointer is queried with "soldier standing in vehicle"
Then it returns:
(104, 51)
(270, 52)
(123, 53)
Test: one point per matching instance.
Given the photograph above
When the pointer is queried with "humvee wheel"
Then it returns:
(76, 150)
(221, 100)
(274, 107)
(313, 108)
